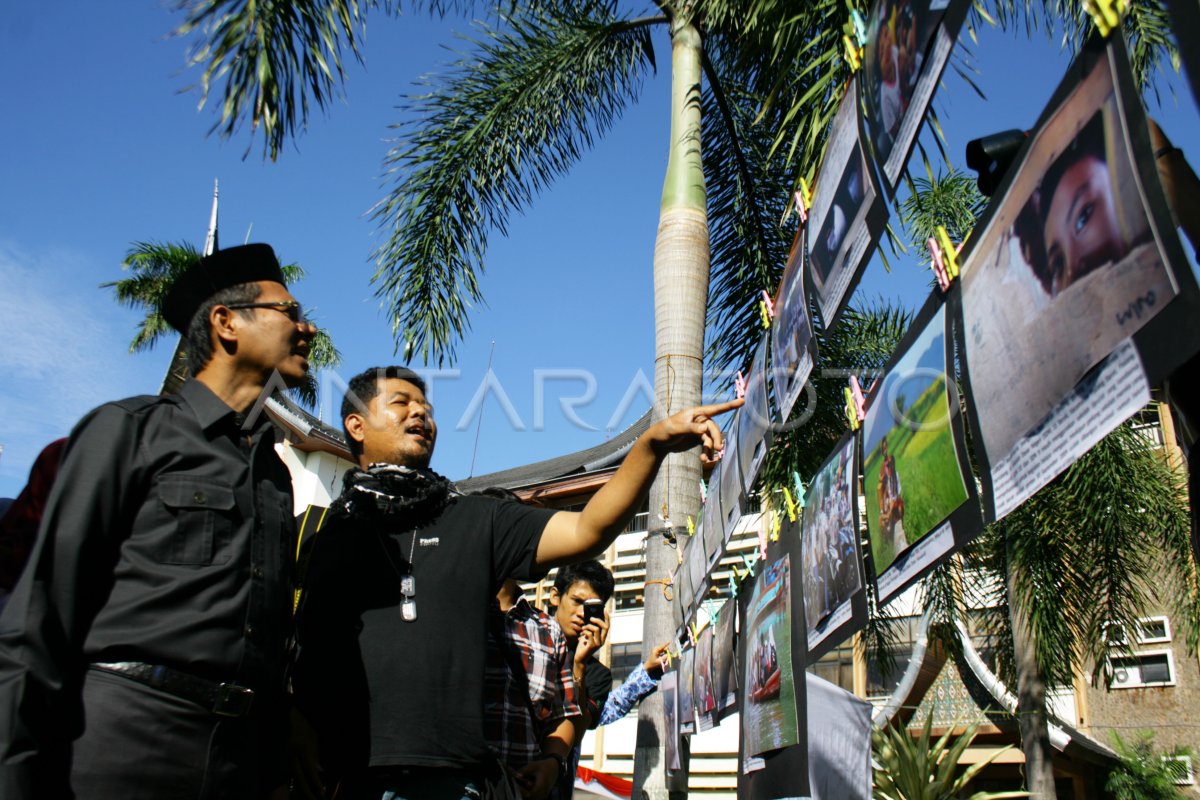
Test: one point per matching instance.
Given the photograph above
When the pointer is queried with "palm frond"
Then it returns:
(747, 190)
(271, 59)
(482, 143)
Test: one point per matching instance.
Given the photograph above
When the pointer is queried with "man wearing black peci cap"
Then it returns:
(142, 651)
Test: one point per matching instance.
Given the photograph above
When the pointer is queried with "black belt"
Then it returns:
(225, 699)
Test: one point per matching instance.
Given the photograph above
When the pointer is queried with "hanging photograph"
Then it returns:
(829, 548)
(754, 420)
(908, 45)
(684, 589)
(687, 699)
(1064, 273)
(769, 700)
(724, 657)
(792, 343)
(914, 463)
(697, 566)
(731, 480)
(705, 692)
(712, 526)
(669, 689)
(847, 215)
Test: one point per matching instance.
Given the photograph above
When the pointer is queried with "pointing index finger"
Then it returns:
(717, 409)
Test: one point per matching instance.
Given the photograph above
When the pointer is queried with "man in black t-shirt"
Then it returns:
(392, 619)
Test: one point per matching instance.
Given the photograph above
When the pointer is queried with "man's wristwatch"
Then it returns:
(562, 763)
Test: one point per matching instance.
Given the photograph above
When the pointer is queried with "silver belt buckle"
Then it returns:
(233, 700)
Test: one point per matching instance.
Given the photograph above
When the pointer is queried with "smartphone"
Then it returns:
(592, 609)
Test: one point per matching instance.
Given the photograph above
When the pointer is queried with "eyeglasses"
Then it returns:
(293, 310)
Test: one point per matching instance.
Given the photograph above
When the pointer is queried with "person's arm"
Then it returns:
(641, 682)
(572, 536)
(47, 618)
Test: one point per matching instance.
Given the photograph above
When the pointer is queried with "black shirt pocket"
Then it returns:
(202, 511)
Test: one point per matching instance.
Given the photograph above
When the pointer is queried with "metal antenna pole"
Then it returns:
(479, 422)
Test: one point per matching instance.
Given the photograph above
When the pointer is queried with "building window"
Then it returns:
(1150, 630)
(1185, 774)
(1153, 630)
(625, 658)
(1155, 668)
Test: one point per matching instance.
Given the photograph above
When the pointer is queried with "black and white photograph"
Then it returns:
(847, 216)
(791, 332)
(754, 420)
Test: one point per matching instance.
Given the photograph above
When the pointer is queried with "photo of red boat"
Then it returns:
(769, 714)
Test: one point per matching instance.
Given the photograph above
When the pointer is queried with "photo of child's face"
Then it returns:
(1081, 229)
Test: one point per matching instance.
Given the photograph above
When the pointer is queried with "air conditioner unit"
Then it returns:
(1124, 677)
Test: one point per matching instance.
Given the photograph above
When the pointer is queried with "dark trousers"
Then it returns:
(140, 742)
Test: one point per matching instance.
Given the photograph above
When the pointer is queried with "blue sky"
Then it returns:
(102, 147)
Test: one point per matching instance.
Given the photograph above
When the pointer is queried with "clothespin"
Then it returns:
(860, 27)
(735, 580)
(938, 264)
(790, 504)
(776, 526)
(691, 526)
(766, 309)
(800, 498)
(692, 633)
(1106, 14)
(853, 54)
(664, 660)
(679, 554)
(949, 252)
(855, 412)
(739, 385)
(762, 542)
(803, 200)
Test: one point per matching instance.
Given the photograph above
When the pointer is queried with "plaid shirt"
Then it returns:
(549, 691)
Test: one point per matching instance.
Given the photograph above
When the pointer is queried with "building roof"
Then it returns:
(600, 457)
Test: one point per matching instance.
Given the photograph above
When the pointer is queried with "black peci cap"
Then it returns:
(224, 268)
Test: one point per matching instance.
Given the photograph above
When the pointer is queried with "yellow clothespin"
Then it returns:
(949, 253)
(850, 409)
(691, 526)
(777, 525)
(1106, 14)
(790, 504)
(853, 54)
(762, 311)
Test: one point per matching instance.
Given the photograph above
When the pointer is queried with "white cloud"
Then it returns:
(63, 351)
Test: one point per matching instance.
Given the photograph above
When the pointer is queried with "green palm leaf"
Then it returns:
(509, 118)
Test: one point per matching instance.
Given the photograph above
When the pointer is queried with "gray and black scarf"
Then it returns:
(384, 490)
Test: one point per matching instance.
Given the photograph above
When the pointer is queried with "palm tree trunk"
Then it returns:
(681, 261)
(1031, 695)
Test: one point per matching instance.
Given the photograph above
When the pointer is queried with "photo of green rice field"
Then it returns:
(911, 474)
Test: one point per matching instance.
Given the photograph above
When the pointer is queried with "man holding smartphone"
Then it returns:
(579, 594)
